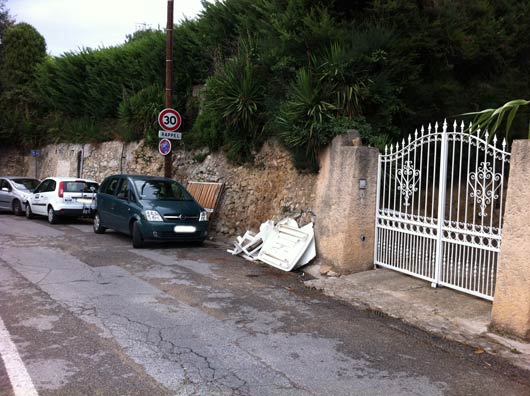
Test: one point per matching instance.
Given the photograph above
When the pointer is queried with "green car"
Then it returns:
(149, 208)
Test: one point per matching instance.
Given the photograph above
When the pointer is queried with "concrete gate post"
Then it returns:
(511, 304)
(345, 204)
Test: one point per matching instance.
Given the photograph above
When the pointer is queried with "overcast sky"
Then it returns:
(68, 25)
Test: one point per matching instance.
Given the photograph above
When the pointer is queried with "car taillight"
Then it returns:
(61, 189)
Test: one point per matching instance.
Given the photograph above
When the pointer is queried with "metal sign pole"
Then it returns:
(169, 71)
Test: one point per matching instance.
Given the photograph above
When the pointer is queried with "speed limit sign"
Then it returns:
(169, 120)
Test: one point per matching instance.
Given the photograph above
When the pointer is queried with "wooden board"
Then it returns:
(206, 194)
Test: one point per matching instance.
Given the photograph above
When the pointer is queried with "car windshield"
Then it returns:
(162, 189)
(25, 184)
(80, 186)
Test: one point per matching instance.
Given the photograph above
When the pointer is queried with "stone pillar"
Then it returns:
(511, 304)
(345, 209)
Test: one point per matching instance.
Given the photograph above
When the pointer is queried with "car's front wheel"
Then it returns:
(29, 213)
(52, 217)
(17, 208)
(137, 238)
(98, 228)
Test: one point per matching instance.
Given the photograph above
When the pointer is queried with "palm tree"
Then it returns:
(492, 119)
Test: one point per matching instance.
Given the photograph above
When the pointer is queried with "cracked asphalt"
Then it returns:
(92, 316)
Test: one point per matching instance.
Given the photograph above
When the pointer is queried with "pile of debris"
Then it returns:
(284, 245)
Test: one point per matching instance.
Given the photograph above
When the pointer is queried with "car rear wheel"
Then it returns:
(137, 238)
(29, 213)
(98, 228)
(17, 208)
(52, 217)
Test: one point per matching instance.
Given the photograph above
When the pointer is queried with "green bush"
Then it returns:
(394, 64)
(235, 98)
(91, 83)
(206, 132)
(138, 113)
(58, 128)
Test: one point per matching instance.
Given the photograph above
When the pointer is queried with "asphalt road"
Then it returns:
(89, 315)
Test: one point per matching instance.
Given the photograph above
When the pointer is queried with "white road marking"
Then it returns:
(16, 371)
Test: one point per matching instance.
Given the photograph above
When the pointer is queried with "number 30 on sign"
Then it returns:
(169, 120)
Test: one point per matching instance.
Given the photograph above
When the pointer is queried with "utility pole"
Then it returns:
(169, 77)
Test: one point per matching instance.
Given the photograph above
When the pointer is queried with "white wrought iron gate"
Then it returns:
(440, 199)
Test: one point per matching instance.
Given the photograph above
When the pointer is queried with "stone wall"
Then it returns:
(345, 205)
(269, 189)
(511, 306)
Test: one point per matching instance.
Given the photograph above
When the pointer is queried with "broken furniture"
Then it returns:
(284, 245)
(250, 244)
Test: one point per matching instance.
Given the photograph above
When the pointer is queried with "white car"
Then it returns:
(56, 197)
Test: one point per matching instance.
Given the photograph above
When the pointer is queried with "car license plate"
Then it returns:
(84, 200)
(184, 229)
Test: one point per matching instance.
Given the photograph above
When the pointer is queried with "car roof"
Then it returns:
(18, 177)
(143, 177)
(58, 178)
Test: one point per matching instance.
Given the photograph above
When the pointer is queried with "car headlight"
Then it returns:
(153, 215)
(203, 216)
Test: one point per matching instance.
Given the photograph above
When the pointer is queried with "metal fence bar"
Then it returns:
(377, 251)
(441, 204)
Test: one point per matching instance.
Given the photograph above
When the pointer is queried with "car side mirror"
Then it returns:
(5, 189)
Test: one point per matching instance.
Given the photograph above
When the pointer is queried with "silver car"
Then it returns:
(14, 193)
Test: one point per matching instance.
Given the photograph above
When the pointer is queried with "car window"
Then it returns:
(42, 187)
(110, 187)
(25, 184)
(103, 185)
(4, 184)
(91, 187)
(122, 190)
(51, 186)
(162, 190)
(80, 186)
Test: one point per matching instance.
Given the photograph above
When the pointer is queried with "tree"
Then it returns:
(5, 20)
(23, 48)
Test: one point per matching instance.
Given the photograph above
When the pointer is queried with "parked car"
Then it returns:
(58, 197)
(14, 192)
(149, 208)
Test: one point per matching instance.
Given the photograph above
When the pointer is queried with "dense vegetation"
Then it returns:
(301, 70)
